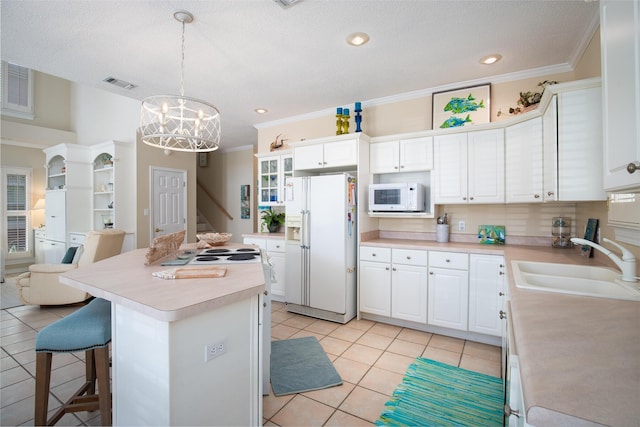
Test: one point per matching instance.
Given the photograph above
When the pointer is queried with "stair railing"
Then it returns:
(214, 200)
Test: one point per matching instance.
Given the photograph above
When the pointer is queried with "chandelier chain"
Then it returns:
(182, 64)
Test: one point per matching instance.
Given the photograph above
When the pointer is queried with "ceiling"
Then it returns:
(246, 54)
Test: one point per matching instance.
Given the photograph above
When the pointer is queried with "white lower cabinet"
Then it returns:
(375, 280)
(393, 283)
(448, 290)
(276, 253)
(486, 293)
(409, 285)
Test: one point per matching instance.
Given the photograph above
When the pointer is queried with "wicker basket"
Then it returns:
(214, 239)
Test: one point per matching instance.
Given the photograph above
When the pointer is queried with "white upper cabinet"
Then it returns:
(550, 151)
(580, 176)
(469, 167)
(328, 155)
(403, 155)
(524, 162)
(273, 171)
(620, 41)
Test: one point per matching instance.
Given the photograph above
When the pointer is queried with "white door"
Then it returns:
(447, 298)
(375, 288)
(384, 157)
(450, 169)
(486, 284)
(409, 293)
(523, 160)
(169, 201)
(416, 154)
(485, 151)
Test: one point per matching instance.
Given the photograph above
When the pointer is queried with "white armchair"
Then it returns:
(40, 285)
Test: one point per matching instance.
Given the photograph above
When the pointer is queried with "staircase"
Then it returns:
(203, 225)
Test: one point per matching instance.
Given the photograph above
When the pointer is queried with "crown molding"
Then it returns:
(422, 93)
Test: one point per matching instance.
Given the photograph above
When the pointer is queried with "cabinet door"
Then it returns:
(39, 246)
(278, 277)
(486, 166)
(620, 41)
(308, 157)
(580, 176)
(550, 151)
(375, 288)
(269, 180)
(524, 162)
(416, 154)
(383, 157)
(55, 212)
(409, 293)
(486, 294)
(450, 166)
(343, 153)
(447, 298)
(286, 169)
(54, 252)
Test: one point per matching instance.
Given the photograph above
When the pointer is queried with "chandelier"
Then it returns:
(180, 123)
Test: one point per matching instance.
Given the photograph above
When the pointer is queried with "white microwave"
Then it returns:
(397, 197)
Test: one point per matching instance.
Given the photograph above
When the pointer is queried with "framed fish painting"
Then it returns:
(462, 107)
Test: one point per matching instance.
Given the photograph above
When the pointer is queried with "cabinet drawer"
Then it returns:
(452, 260)
(76, 239)
(275, 245)
(374, 253)
(409, 257)
(261, 243)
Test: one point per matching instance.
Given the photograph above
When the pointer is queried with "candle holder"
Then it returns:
(339, 121)
(358, 116)
(345, 120)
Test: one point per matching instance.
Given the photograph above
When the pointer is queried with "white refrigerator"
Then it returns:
(320, 237)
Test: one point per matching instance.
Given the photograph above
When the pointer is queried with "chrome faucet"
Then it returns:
(627, 263)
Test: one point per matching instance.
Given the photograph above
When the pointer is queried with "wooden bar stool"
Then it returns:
(89, 330)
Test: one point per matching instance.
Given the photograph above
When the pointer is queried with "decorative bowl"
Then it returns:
(214, 239)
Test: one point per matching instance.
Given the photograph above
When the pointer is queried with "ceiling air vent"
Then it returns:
(286, 3)
(119, 83)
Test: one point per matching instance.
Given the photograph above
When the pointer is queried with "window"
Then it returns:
(17, 91)
(16, 183)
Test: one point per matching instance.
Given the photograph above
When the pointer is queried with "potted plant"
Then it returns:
(273, 220)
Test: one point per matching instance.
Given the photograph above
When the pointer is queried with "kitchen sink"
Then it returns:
(600, 282)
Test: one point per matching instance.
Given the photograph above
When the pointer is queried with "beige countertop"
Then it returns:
(265, 235)
(579, 356)
(125, 280)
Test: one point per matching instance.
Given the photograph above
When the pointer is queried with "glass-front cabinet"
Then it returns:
(56, 173)
(273, 172)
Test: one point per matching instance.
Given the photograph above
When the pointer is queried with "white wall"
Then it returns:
(98, 116)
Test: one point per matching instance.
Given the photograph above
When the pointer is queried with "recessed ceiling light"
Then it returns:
(357, 39)
(490, 59)
(261, 110)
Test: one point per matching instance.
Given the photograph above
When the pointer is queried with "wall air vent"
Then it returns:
(119, 83)
(286, 3)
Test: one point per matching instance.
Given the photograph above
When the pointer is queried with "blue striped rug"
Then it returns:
(437, 394)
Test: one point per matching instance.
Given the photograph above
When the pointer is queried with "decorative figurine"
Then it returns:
(339, 121)
(358, 116)
(345, 120)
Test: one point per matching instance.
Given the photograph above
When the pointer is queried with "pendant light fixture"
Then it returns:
(180, 123)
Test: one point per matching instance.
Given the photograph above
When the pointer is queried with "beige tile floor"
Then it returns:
(370, 357)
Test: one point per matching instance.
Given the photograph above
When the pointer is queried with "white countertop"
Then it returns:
(579, 356)
(125, 280)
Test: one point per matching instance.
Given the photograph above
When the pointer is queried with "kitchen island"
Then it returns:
(161, 330)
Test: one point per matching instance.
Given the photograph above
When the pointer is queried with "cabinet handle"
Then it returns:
(503, 314)
(373, 254)
(386, 268)
(501, 273)
(536, 196)
(508, 411)
(157, 230)
(319, 163)
(408, 257)
(431, 272)
(394, 269)
(471, 198)
(632, 167)
(402, 167)
(464, 198)
(501, 265)
(265, 293)
(447, 260)
(501, 293)
(324, 163)
(550, 193)
(395, 167)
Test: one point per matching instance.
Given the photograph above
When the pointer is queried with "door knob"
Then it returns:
(157, 230)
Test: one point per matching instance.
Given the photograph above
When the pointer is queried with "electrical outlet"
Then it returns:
(214, 350)
(461, 226)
